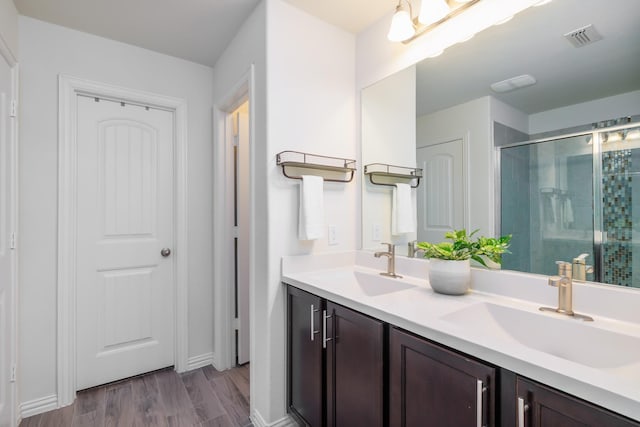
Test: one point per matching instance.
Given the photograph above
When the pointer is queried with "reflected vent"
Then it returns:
(583, 36)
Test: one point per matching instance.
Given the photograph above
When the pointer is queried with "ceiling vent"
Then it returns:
(583, 36)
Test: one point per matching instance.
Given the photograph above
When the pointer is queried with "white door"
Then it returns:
(125, 292)
(241, 117)
(7, 264)
(441, 204)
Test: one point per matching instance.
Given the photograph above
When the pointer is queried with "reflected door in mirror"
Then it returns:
(441, 204)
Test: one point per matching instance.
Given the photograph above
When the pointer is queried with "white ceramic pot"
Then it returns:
(449, 277)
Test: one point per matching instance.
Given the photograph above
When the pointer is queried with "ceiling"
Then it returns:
(195, 30)
(533, 43)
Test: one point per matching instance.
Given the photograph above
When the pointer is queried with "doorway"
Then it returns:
(233, 225)
(73, 92)
(241, 219)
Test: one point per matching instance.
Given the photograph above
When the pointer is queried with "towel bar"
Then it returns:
(391, 171)
(315, 162)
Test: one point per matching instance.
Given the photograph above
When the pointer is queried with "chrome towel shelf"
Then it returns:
(333, 169)
(392, 174)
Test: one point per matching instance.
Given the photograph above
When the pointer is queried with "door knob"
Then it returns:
(165, 252)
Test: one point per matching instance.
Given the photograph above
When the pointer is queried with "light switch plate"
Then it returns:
(333, 235)
(376, 231)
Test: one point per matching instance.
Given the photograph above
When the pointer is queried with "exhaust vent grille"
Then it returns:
(583, 36)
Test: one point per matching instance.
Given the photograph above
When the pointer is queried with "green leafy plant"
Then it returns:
(462, 247)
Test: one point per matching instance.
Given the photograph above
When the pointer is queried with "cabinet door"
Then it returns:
(355, 369)
(305, 362)
(431, 386)
(541, 406)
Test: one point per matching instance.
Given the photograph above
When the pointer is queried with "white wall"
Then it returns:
(45, 51)
(311, 105)
(9, 28)
(388, 136)
(307, 86)
(507, 115)
(471, 122)
(612, 107)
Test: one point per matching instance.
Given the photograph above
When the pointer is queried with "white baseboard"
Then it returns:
(215, 361)
(199, 361)
(258, 421)
(38, 406)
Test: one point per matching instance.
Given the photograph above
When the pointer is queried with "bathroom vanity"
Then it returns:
(366, 350)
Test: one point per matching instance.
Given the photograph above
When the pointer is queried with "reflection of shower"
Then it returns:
(557, 209)
(560, 197)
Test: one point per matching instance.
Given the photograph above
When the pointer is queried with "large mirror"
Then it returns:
(443, 116)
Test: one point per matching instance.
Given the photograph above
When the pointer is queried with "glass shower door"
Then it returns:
(572, 195)
(547, 203)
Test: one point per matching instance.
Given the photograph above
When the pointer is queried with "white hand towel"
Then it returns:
(568, 211)
(311, 217)
(402, 211)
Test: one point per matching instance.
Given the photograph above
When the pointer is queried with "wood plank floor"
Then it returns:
(203, 397)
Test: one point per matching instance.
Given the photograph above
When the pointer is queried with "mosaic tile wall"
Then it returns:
(616, 194)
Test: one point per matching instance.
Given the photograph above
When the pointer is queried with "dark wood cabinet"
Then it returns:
(541, 406)
(336, 364)
(306, 364)
(355, 369)
(433, 386)
(346, 369)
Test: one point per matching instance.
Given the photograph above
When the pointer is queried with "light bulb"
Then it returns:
(432, 11)
(401, 26)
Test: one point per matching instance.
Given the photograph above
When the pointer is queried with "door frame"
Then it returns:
(13, 198)
(223, 339)
(69, 88)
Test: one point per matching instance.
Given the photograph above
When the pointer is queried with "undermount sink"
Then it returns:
(553, 334)
(376, 284)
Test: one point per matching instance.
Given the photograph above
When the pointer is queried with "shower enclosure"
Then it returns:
(574, 194)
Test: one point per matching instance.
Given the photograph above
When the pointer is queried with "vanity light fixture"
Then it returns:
(402, 23)
(404, 27)
(432, 11)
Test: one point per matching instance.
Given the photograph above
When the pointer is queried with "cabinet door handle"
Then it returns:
(522, 409)
(480, 389)
(324, 328)
(313, 327)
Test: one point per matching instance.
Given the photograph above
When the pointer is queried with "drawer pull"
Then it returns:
(522, 409)
(480, 389)
(313, 327)
(324, 329)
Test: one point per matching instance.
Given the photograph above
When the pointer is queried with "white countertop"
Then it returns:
(348, 278)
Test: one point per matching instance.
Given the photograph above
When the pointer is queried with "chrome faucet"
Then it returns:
(391, 260)
(564, 282)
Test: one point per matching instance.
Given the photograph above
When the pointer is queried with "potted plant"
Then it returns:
(449, 265)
